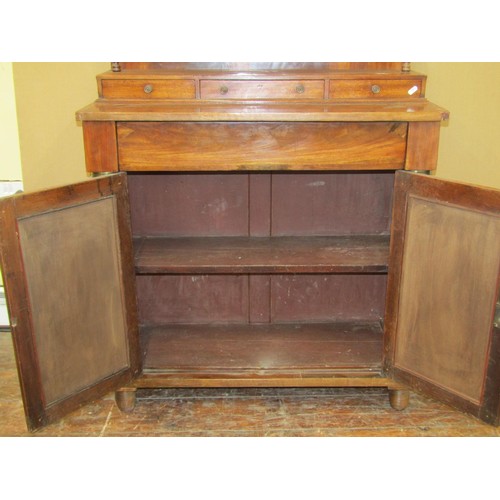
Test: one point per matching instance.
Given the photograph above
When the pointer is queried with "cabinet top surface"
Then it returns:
(127, 110)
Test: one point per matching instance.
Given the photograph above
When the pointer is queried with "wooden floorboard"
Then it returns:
(242, 412)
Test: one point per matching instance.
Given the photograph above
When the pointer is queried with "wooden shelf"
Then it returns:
(244, 255)
(270, 350)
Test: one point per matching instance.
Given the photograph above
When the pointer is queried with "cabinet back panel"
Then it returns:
(171, 299)
(261, 204)
(333, 297)
(189, 205)
(192, 299)
(307, 204)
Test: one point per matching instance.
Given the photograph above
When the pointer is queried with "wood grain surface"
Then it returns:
(150, 146)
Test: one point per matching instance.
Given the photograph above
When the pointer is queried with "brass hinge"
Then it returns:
(496, 317)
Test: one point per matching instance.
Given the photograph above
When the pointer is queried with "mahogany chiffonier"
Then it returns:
(260, 224)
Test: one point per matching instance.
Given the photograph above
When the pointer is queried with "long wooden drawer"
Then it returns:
(148, 89)
(376, 89)
(262, 89)
(181, 146)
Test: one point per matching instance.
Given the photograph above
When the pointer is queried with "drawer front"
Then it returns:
(148, 89)
(366, 89)
(262, 89)
(150, 146)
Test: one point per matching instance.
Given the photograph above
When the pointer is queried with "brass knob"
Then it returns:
(223, 90)
(300, 89)
(375, 89)
(148, 88)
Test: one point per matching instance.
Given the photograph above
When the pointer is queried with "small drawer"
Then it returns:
(375, 89)
(148, 89)
(262, 89)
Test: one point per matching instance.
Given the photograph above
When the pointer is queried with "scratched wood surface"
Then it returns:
(241, 412)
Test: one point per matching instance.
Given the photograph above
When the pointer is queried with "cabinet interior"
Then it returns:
(245, 272)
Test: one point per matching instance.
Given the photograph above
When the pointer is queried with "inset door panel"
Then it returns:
(449, 326)
(71, 306)
(446, 262)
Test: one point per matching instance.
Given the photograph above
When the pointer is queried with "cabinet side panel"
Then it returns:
(101, 154)
(443, 337)
(75, 247)
(422, 146)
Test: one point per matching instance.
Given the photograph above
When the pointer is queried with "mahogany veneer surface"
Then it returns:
(153, 146)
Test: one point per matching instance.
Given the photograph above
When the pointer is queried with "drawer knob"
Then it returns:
(223, 90)
(375, 89)
(148, 88)
(300, 89)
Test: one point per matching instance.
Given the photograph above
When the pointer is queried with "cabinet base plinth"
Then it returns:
(126, 397)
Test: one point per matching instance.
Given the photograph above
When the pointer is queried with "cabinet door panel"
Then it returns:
(68, 276)
(443, 288)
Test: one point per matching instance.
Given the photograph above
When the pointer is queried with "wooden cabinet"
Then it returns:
(255, 228)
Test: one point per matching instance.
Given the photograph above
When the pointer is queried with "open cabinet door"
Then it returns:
(67, 264)
(442, 333)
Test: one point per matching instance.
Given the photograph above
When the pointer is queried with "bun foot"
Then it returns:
(125, 399)
(399, 398)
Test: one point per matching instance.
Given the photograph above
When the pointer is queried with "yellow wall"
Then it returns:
(48, 94)
(469, 149)
(10, 157)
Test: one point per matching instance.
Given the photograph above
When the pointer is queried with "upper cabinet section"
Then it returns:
(260, 116)
(269, 92)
